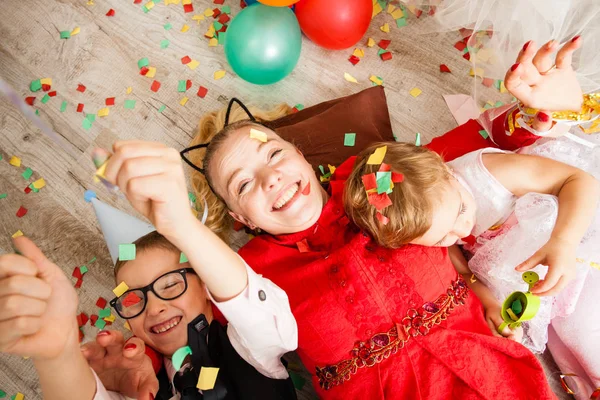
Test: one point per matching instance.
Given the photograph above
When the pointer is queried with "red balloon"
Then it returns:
(334, 24)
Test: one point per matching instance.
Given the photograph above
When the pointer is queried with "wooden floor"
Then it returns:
(103, 57)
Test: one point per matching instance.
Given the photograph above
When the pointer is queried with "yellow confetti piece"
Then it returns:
(594, 265)
(477, 72)
(167, 2)
(75, 31)
(377, 157)
(350, 78)
(331, 168)
(15, 161)
(195, 212)
(184, 2)
(151, 72)
(208, 12)
(385, 28)
(375, 80)
(219, 74)
(90, 2)
(19, 396)
(207, 378)
(103, 112)
(397, 14)
(17, 234)
(391, 8)
(502, 87)
(414, 92)
(101, 170)
(149, 5)
(198, 18)
(46, 81)
(129, 90)
(120, 289)
(258, 135)
(126, 326)
(40, 183)
(370, 42)
(213, 42)
(193, 64)
(376, 9)
(110, 318)
(96, 179)
(185, 28)
(183, 101)
(359, 53)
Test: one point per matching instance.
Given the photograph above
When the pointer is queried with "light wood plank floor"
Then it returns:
(104, 57)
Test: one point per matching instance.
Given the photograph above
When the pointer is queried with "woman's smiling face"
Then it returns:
(269, 184)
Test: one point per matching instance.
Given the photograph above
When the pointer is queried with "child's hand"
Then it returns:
(122, 366)
(493, 317)
(543, 83)
(151, 176)
(37, 304)
(559, 255)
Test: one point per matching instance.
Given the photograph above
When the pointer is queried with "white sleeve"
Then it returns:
(103, 394)
(261, 326)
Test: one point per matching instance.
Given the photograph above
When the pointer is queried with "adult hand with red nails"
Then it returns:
(122, 366)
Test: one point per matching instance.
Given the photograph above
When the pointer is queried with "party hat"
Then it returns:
(118, 227)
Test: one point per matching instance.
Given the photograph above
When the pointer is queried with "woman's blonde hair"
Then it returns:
(212, 129)
(410, 214)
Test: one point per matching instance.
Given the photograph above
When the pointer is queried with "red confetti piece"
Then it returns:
(382, 218)
(238, 226)
(384, 167)
(110, 13)
(224, 18)
(101, 302)
(469, 240)
(386, 56)
(444, 68)
(202, 91)
(384, 43)
(418, 13)
(186, 60)
(370, 181)
(467, 56)
(188, 84)
(487, 82)
(78, 283)
(27, 190)
(380, 201)
(137, 1)
(30, 100)
(131, 299)
(219, 1)
(216, 12)
(81, 88)
(21, 212)
(82, 319)
(155, 86)
(144, 71)
(80, 336)
(243, 4)
(188, 8)
(294, 110)
(303, 246)
(397, 177)
(46, 87)
(77, 273)
(353, 59)
(52, 94)
(93, 319)
(110, 101)
(223, 29)
(80, 107)
(460, 45)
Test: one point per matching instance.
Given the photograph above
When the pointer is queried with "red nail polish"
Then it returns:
(543, 117)
(515, 66)
(575, 38)
(526, 45)
(130, 346)
(103, 333)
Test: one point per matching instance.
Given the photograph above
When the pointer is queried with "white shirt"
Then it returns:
(261, 329)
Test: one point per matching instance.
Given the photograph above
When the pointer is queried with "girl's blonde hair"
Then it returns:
(212, 129)
(413, 199)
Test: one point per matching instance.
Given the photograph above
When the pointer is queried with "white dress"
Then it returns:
(509, 230)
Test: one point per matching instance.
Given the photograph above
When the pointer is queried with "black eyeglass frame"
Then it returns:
(150, 288)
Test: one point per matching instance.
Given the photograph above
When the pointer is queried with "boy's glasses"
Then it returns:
(168, 286)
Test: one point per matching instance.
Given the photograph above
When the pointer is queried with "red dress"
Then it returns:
(376, 323)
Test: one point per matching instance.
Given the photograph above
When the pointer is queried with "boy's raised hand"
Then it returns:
(38, 304)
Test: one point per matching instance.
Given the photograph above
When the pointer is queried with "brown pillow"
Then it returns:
(319, 131)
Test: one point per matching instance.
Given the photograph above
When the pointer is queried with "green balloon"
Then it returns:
(263, 43)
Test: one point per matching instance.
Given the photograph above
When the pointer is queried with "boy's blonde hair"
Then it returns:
(211, 129)
(151, 240)
(410, 214)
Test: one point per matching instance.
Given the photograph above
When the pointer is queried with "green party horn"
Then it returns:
(519, 306)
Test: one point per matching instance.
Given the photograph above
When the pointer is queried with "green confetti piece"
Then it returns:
(498, 104)
(105, 312)
(349, 139)
(168, 26)
(322, 170)
(83, 269)
(183, 258)
(91, 117)
(45, 98)
(182, 86)
(63, 106)
(381, 51)
(33, 189)
(483, 133)
(100, 324)
(65, 34)
(384, 181)
(3, 195)
(0, 157)
(164, 43)
(35, 85)
(37, 112)
(517, 307)
(226, 10)
(130, 104)
(192, 197)
(2, 394)
(418, 139)
(127, 251)
(217, 25)
(180, 355)
(145, 9)
(299, 107)
(162, 108)
(27, 173)
(498, 84)
(92, 260)
(487, 106)
(87, 124)
(143, 62)
(400, 22)
(222, 36)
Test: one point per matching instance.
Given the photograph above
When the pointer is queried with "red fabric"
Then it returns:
(519, 138)
(347, 289)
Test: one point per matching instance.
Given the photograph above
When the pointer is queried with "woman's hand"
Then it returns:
(122, 366)
(38, 304)
(493, 317)
(541, 82)
(151, 177)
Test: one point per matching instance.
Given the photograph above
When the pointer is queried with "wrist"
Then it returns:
(186, 233)
(68, 354)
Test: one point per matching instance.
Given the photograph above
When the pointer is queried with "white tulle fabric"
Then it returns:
(527, 223)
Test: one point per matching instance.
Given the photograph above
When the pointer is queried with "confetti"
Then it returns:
(385, 28)
(182, 86)
(380, 201)
(101, 302)
(370, 42)
(127, 252)
(376, 80)
(350, 78)
(198, 18)
(224, 18)
(207, 378)
(384, 180)
(202, 91)
(415, 92)
(86, 124)
(183, 258)
(83, 269)
(155, 86)
(382, 218)
(45, 98)
(15, 161)
(149, 6)
(376, 9)
(185, 60)
(164, 43)
(17, 234)
(219, 74)
(126, 326)
(303, 246)
(151, 72)
(18, 396)
(397, 14)
(444, 68)
(81, 88)
(3, 195)
(162, 108)
(359, 53)
(30, 100)
(213, 42)
(349, 139)
(63, 106)
(226, 10)
(75, 31)
(100, 324)
(483, 133)
(130, 104)
(258, 135)
(76, 273)
(354, 60)
(103, 112)
(185, 28)
(378, 155)
(65, 34)
(35, 85)
(131, 299)
(188, 8)
(386, 56)
(369, 181)
(111, 318)
(488, 82)
(476, 72)
(143, 62)
(82, 319)
(110, 101)
(110, 13)
(27, 173)
(460, 46)
(183, 101)
(119, 290)
(418, 139)
(129, 90)
(168, 26)
(21, 212)
(397, 177)
(384, 43)
(193, 64)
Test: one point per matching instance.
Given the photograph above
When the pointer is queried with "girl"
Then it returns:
(504, 207)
